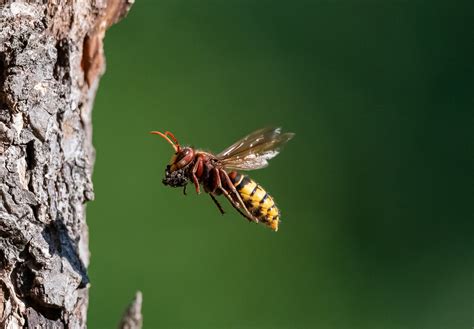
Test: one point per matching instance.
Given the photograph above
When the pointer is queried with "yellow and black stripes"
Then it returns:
(259, 203)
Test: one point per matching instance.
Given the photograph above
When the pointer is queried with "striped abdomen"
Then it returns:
(257, 200)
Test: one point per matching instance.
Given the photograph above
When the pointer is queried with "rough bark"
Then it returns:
(132, 317)
(51, 59)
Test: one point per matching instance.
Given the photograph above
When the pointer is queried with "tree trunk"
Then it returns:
(51, 59)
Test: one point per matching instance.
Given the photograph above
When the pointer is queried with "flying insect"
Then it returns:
(217, 173)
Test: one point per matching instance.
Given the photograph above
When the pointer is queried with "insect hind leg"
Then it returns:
(238, 203)
(217, 204)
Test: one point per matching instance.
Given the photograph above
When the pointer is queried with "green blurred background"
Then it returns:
(375, 190)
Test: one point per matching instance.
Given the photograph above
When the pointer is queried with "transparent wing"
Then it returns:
(254, 150)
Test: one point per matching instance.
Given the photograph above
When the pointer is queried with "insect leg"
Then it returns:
(195, 169)
(184, 190)
(235, 204)
(217, 180)
(217, 204)
(218, 185)
(239, 202)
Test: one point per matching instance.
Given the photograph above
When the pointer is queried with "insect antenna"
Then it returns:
(169, 138)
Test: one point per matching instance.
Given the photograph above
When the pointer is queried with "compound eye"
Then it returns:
(182, 154)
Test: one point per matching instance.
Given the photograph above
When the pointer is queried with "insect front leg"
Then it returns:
(197, 168)
(239, 203)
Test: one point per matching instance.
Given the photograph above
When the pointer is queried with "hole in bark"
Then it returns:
(61, 67)
(30, 155)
